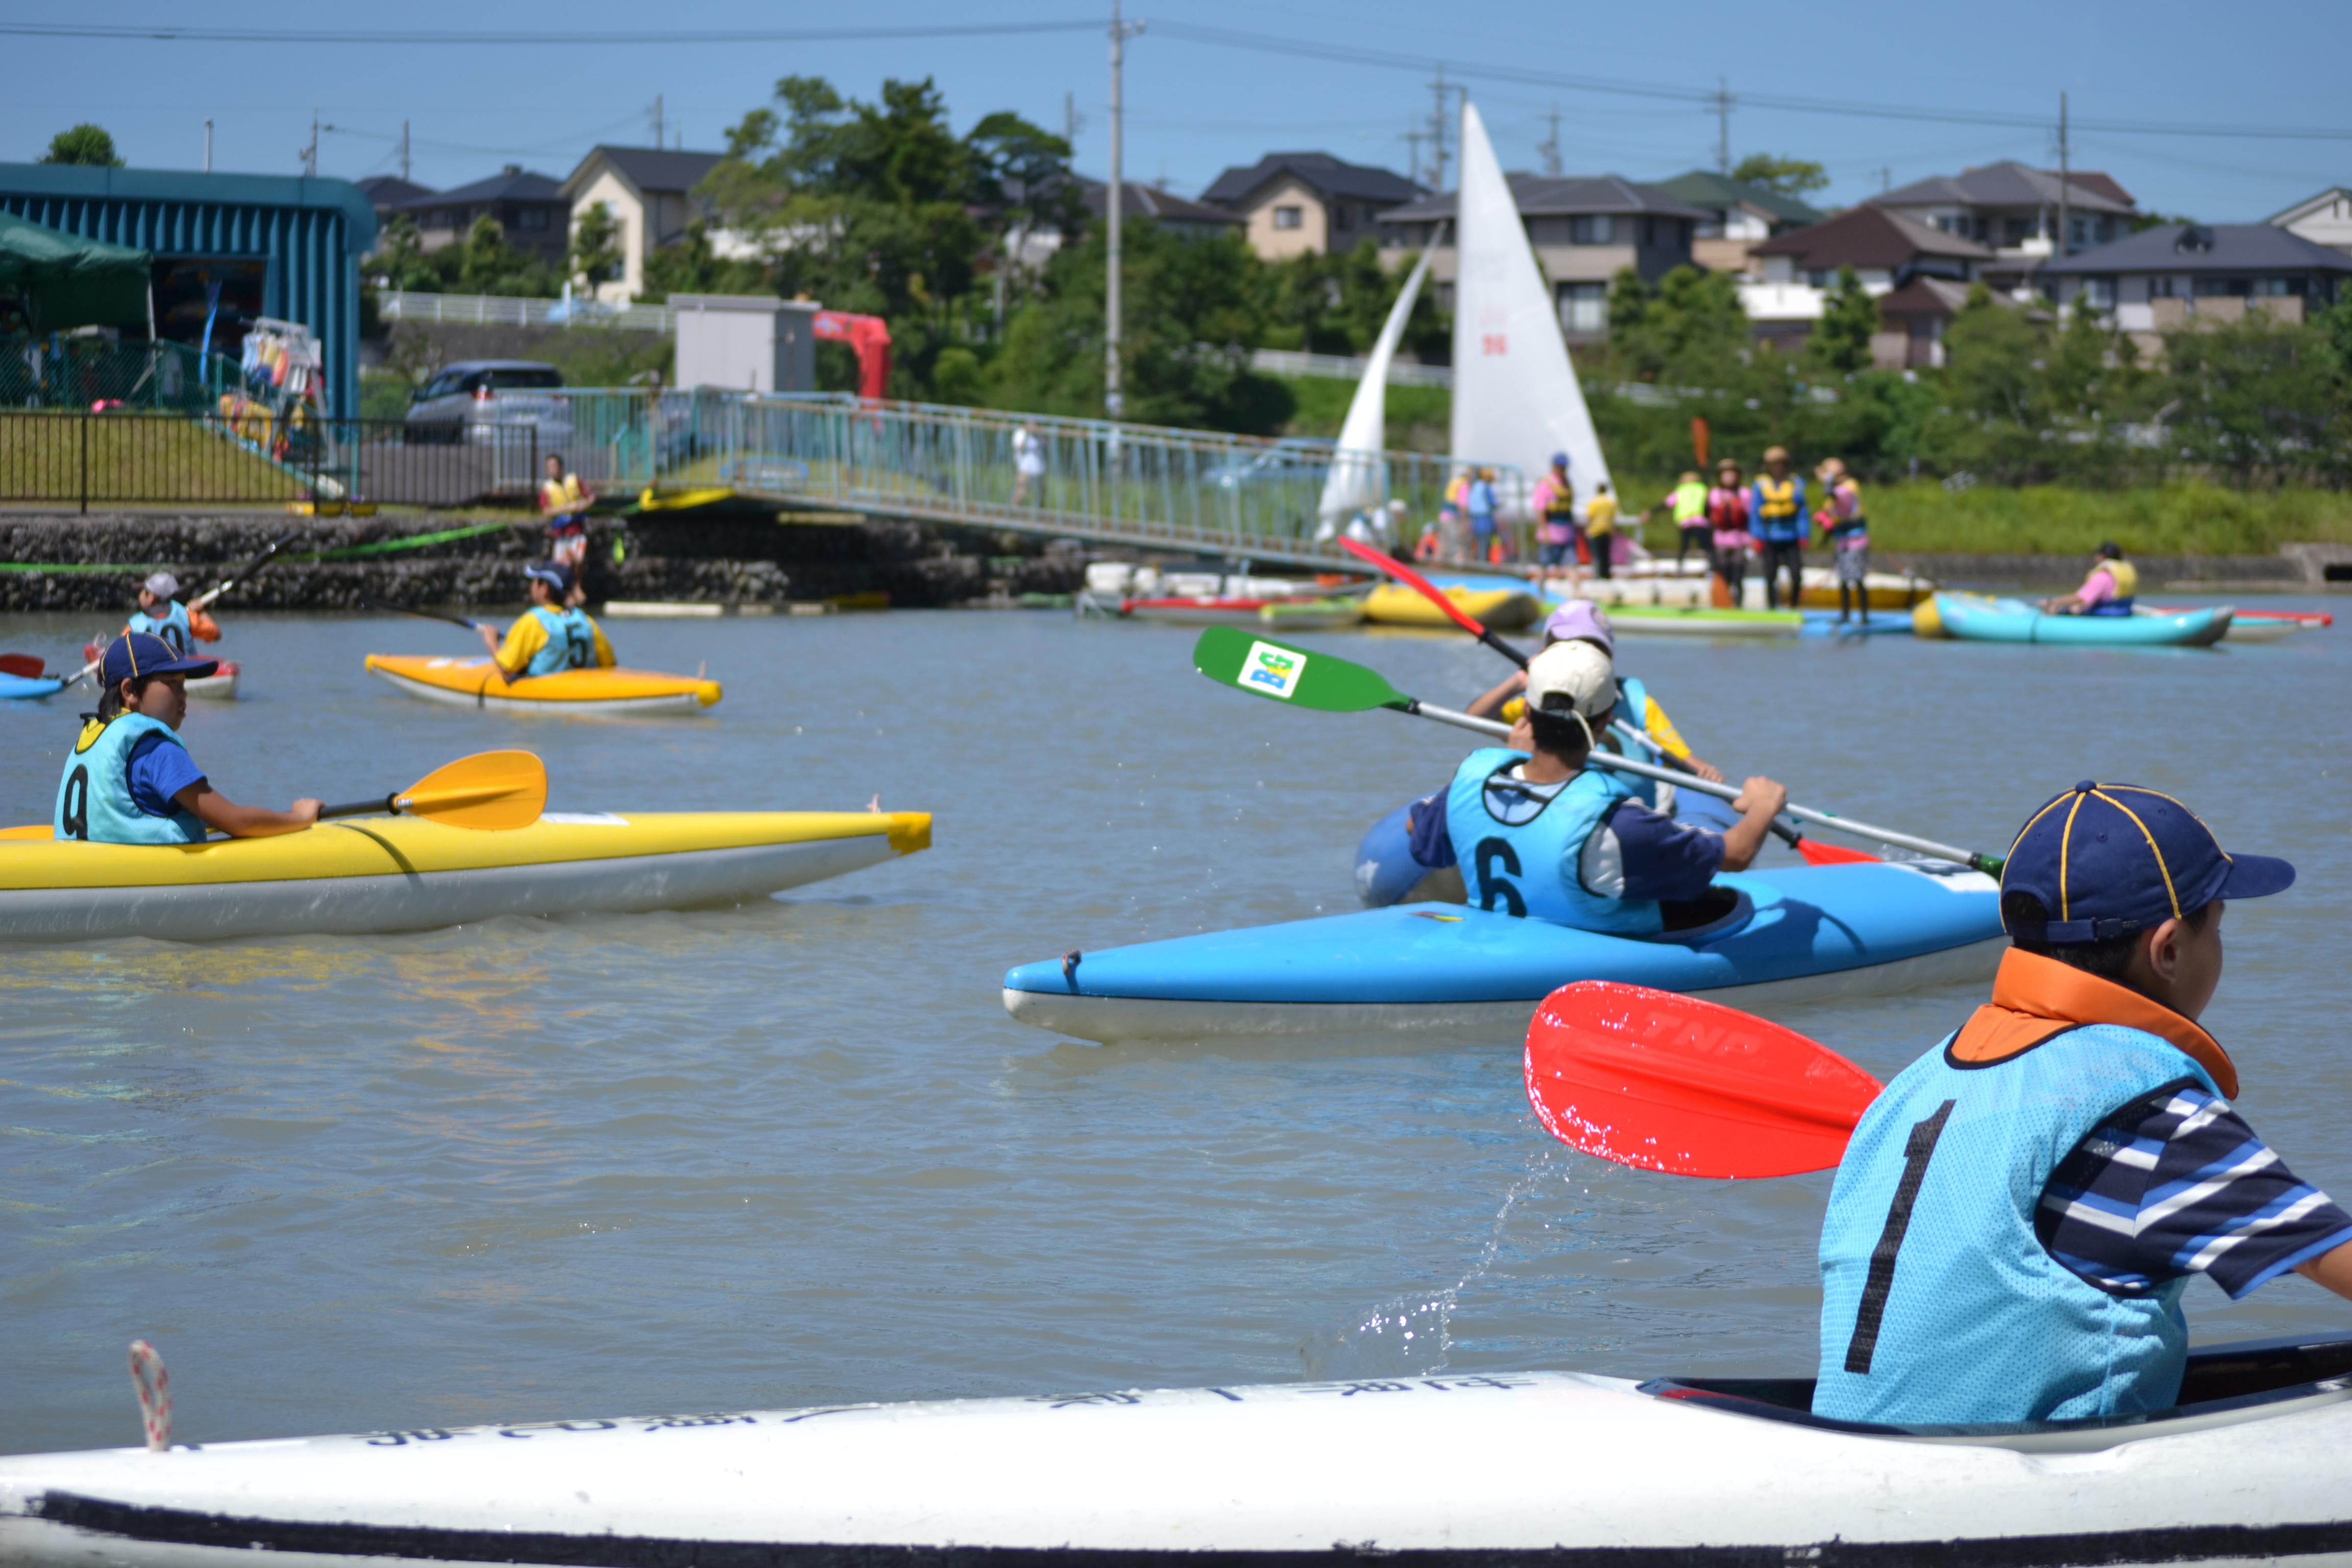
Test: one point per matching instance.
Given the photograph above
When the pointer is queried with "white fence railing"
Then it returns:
(1343, 367)
(499, 310)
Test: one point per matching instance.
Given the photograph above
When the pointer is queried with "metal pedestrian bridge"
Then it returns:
(1189, 491)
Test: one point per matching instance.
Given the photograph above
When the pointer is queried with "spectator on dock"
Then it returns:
(1601, 531)
(1478, 500)
(1556, 524)
(1687, 504)
(1726, 516)
(564, 502)
(1847, 534)
(1778, 522)
(1028, 464)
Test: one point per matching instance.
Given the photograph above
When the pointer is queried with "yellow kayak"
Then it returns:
(408, 873)
(475, 682)
(1504, 609)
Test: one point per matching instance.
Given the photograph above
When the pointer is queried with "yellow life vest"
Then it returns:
(2125, 575)
(1778, 496)
(561, 495)
(1690, 504)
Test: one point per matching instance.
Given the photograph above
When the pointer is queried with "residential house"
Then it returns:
(389, 194)
(1585, 229)
(2178, 274)
(650, 193)
(1739, 216)
(1142, 204)
(1298, 203)
(528, 207)
(1927, 272)
(2015, 210)
(2323, 219)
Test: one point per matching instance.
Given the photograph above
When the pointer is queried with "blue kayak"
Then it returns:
(1975, 618)
(1386, 872)
(1793, 935)
(1825, 624)
(30, 685)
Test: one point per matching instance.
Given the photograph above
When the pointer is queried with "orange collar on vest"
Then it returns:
(2035, 997)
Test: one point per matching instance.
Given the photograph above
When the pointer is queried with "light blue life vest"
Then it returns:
(1939, 1301)
(1634, 707)
(174, 628)
(94, 799)
(1519, 852)
(570, 643)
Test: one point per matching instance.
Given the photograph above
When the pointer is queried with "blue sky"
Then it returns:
(1195, 106)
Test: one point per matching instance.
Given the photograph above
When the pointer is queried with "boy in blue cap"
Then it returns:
(129, 780)
(554, 635)
(2020, 1210)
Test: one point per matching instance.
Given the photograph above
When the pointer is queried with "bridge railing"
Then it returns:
(1233, 495)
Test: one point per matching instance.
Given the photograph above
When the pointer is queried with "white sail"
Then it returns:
(1515, 399)
(1357, 477)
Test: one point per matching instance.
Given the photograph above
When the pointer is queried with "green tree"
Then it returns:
(691, 266)
(1840, 344)
(1788, 177)
(84, 144)
(2260, 400)
(400, 259)
(595, 251)
(1688, 329)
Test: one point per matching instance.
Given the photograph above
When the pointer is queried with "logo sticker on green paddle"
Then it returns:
(1273, 671)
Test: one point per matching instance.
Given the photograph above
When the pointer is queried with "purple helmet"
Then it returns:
(1580, 618)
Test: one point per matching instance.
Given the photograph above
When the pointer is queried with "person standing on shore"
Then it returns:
(564, 502)
(1687, 503)
(1778, 521)
(1601, 529)
(1556, 525)
(1478, 500)
(1847, 534)
(1028, 465)
(1726, 518)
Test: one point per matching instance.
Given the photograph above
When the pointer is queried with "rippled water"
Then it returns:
(795, 1151)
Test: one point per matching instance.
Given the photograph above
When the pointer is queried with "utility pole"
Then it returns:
(208, 144)
(1721, 98)
(1886, 180)
(1437, 134)
(310, 153)
(1413, 139)
(1550, 147)
(403, 151)
(1114, 398)
(660, 138)
(2066, 190)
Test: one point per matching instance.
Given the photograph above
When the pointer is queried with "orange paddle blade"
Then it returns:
(1698, 439)
(1663, 1082)
(1817, 853)
(489, 790)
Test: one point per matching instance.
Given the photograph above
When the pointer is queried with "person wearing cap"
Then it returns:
(1777, 518)
(2107, 591)
(2019, 1211)
(1555, 523)
(160, 615)
(1728, 517)
(554, 633)
(564, 502)
(1846, 532)
(1580, 620)
(129, 778)
(1540, 834)
(1687, 504)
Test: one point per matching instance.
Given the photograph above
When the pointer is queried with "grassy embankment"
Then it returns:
(2183, 518)
(130, 457)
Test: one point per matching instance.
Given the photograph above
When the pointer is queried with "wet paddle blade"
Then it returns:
(1232, 657)
(1671, 1083)
(1817, 853)
(24, 664)
(490, 790)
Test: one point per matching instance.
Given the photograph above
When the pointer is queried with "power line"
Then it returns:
(168, 33)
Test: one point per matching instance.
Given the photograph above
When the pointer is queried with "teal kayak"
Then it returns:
(1785, 935)
(1975, 618)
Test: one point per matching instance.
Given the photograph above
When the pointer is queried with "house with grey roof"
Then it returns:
(2323, 219)
(1584, 229)
(1740, 216)
(1300, 203)
(529, 208)
(2016, 210)
(1920, 276)
(388, 194)
(2178, 275)
(649, 191)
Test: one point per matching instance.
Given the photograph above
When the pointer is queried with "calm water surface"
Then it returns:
(795, 1151)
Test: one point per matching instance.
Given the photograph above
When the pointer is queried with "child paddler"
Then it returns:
(2109, 590)
(2019, 1211)
(1539, 834)
(1580, 620)
(554, 633)
(129, 779)
(161, 615)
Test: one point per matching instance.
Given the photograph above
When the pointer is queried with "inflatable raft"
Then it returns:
(1976, 618)
(1506, 603)
(1449, 1470)
(1788, 935)
(476, 683)
(406, 873)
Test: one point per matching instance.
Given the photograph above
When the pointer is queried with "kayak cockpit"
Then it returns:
(2224, 1385)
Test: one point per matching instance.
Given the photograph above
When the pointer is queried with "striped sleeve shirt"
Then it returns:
(2177, 1184)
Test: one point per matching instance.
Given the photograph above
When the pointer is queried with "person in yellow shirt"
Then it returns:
(564, 502)
(553, 635)
(1601, 529)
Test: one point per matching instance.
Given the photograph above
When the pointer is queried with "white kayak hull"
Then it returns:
(1546, 1467)
(357, 905)
(668, 702)
(220, 688)
(1107, 1020)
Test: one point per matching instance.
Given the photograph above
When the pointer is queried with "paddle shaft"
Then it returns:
(1986, 863)
(200, 600)
(384, 804)
(421, 615)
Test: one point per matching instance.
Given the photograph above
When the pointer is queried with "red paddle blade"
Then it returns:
(1670, 1083)
(1416, 581)
(23, 664)
(1817, 853)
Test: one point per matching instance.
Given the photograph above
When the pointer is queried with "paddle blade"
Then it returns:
(1671, 1083)
(1232, 657)
(24, 664)
(489, 790)
(1817, 853)
(1417, 583)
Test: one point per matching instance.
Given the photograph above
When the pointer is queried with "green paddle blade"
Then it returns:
(1232, 657)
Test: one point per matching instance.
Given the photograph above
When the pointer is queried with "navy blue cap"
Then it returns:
(2108, 860)
(554, 574)
(135, 654)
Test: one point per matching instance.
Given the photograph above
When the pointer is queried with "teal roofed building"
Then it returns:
(227, 248)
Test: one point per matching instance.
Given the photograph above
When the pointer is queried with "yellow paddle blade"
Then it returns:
(489, 790)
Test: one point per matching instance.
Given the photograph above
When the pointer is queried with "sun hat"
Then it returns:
(1580, 618)
(135, 656)
(1576, 670)
(164, 585)
(2108, 860)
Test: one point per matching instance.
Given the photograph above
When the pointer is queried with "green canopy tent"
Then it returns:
(67, 281)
